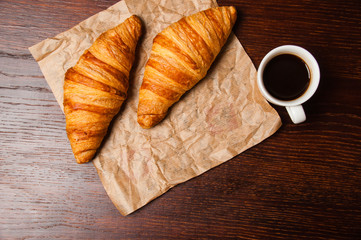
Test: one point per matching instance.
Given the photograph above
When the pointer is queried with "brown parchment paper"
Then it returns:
(218, 119)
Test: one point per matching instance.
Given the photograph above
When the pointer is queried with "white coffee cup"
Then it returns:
(294, 106)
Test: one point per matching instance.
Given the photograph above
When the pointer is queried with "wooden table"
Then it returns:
(304, 182)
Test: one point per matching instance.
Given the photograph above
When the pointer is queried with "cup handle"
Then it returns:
(296, 113)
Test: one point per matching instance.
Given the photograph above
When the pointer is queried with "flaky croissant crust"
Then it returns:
(181, 56)
(96, 87)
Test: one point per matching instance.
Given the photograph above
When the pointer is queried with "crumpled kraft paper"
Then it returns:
(222, 116)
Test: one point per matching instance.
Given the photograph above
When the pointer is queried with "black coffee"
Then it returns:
(286, 77)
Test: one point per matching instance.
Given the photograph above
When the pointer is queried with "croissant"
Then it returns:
(180, 57)
(96, 87)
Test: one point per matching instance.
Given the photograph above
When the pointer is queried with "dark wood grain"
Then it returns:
(304, 182)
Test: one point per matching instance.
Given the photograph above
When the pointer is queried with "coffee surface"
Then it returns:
(286, 77)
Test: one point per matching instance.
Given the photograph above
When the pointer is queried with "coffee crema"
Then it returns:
(286, 77)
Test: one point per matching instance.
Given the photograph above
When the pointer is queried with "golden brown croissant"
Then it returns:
(96, 87)
(181, 56)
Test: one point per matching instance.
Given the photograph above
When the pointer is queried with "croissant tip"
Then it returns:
(233, 9)
(147, 121)
(85, 156)
(233, 13)
(135, 17)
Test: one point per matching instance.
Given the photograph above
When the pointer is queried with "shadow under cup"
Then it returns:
(288, 76)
